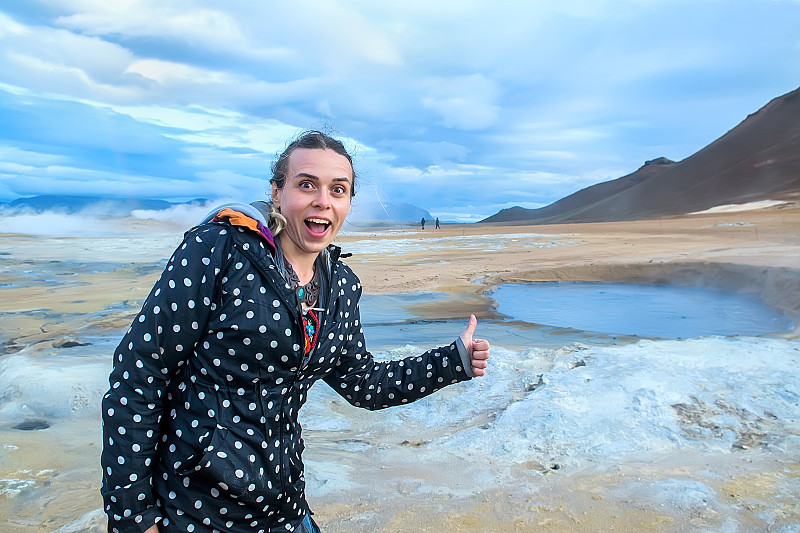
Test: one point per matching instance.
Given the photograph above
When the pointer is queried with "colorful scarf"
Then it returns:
(310, 330)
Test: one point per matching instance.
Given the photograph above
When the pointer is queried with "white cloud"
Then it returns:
(18, 180)
(331, 33)
(10, 28)
(49, 76)
(464, 102)
(172, 73)
(226, 184)
(27, 159)
(15, 168)
(282, 32)
(48, 60)
(146, 18)
(192, 117)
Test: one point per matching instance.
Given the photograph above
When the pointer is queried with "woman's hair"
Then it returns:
(313, 140)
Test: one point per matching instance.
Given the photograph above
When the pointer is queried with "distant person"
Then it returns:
(437, 223)
(200, 428)
(422, 223)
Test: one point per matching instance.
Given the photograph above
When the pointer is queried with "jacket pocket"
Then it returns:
(230, 463)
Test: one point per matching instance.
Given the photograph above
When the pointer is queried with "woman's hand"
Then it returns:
(152, 529)
(478, 349)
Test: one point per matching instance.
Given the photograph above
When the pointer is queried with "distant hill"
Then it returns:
(757, 160)
(363, 212)
(87, 204)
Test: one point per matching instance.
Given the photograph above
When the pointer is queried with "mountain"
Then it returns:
(87, 204)
(757, 160)
(368, 213)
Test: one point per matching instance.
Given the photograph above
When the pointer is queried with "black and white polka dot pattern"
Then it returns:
(200, 422)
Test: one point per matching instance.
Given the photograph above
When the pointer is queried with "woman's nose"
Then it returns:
(321, 199)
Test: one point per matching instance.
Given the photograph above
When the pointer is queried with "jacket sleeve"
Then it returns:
(371, 384)
(172, 320)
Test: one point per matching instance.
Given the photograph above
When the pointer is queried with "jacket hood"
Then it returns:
(258, 211)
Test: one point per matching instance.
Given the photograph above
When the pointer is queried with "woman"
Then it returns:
(200, 422)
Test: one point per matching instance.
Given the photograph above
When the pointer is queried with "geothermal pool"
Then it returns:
(655, 311)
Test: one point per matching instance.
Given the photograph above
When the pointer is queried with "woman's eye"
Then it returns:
(339, 190)
(306, 185)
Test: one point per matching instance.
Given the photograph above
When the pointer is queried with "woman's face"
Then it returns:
(315, 199)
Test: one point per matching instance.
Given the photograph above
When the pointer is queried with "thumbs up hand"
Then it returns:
(478, 349)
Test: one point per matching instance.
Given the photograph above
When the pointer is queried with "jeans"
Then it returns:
(308, 525)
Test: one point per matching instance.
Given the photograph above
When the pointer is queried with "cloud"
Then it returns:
(178, 20)
(56, 61)
(442, 102)
(464, 102)
(252, 30)
(26, 159)
(171, 73)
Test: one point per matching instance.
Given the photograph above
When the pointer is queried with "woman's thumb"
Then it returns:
(470, 330)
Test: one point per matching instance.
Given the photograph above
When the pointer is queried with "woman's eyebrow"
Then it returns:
(306, 175)
(315, 178)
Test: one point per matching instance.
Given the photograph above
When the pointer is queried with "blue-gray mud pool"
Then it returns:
(392, 320)
(654, 311)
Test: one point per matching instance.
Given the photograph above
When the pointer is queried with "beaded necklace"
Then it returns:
(307, 293)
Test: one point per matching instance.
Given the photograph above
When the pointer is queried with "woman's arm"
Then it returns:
(366, 383)
(173, 318)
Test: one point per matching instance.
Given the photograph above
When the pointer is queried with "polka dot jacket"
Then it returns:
(200, 422)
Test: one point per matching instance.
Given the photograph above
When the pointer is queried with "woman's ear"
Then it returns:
(275, 195)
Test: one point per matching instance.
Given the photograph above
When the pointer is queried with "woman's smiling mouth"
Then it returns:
(317, 225)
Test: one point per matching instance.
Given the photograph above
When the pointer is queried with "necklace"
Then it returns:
(306, 293)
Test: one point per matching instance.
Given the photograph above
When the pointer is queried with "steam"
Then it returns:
(109, 217)
(182, 215)
(103, 219)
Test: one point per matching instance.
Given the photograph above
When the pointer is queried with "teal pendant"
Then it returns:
(301, 293)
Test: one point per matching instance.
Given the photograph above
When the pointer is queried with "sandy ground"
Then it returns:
(756, 252)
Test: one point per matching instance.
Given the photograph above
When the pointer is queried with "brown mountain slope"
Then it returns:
(757, 160)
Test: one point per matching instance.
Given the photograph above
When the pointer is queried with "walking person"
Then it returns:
(200, 428)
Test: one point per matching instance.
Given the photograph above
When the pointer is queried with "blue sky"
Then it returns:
(459, 107)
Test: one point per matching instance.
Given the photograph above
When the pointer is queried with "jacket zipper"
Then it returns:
(275, 278)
